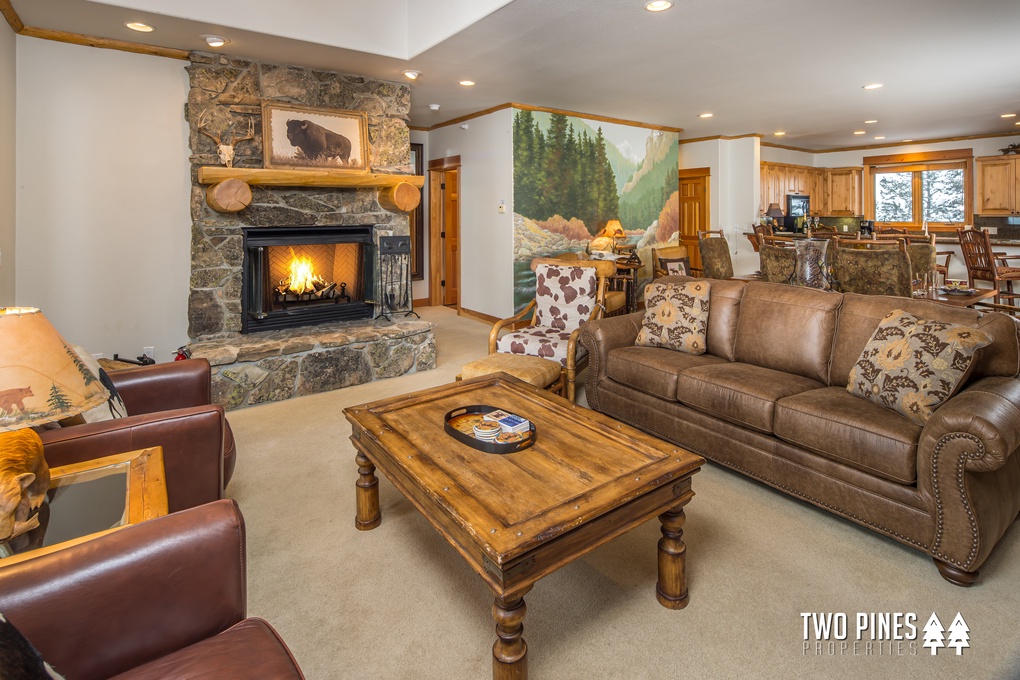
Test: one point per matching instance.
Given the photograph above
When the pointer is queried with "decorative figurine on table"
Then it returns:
(24, 481)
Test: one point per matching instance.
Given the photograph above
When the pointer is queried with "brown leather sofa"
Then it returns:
(170, 405)
(161, 599)
(769, 400)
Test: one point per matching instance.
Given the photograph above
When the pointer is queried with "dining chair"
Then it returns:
(715, 255)
(760, 231)
(921, 251)
(777, 262)
(985, 265)
(669, 261)
(877, 268)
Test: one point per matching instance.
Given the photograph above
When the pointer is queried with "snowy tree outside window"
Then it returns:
(917, 193)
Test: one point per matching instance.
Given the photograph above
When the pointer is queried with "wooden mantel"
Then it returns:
(214, 174)
(230, 187)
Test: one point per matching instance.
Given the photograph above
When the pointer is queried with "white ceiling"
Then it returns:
(949, 66)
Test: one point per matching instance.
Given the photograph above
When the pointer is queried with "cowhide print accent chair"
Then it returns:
(566, 296)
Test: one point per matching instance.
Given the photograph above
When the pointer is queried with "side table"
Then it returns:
(93, 498)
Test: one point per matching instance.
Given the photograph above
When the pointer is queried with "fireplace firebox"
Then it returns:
(301, 276)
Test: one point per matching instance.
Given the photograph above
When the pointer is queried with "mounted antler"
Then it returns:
(224, 151)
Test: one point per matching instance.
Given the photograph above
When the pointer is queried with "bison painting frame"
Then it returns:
(307, 137)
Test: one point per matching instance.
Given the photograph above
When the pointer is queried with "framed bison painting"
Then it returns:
(307, 137)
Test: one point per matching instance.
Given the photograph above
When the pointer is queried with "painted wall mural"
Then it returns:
(572, 174)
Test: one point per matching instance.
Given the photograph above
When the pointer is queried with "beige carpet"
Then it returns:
(398, 602)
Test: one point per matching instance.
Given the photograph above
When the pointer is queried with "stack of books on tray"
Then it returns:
(509, 422)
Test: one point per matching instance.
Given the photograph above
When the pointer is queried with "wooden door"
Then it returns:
(693, 210)
(996, 186)
(451, 242)
(444, 231)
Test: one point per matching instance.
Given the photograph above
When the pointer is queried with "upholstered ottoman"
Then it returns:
(532, 370)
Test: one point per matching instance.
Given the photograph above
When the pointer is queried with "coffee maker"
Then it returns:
(866, 228)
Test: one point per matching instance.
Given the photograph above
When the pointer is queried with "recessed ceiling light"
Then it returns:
(908, 140)
(215, 40)
(873, 86)
(879, 137)
(870, 121)
(413, 75)
(467, 83)
(139, 26)
(705, 115)
(779, 134)
(859, 132)
(434, 107)
(1008, 115)
(658, 5)
(1017, 123)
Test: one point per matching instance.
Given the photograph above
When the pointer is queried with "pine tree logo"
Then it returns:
(959, 634)
(86, 373)
(933, 634)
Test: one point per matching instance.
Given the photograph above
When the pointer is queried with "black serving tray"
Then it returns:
(487, 447)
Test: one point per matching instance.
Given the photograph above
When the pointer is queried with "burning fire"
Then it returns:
(302, 276)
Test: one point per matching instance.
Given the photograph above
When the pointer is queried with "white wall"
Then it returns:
(420, 289)
(741, 173)
(103, 219)
(771, 154)
(486, 236)
(8, 98)
(988, 146)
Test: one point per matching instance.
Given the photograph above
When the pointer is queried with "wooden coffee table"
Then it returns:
(521, 516)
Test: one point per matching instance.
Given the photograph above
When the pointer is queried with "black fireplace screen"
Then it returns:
(300, 276)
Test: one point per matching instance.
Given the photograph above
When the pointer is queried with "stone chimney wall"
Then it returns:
(227, 93)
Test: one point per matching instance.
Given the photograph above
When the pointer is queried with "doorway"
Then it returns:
(444, 231)
(694, 218)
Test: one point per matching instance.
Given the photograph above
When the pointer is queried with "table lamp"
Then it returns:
(42, 379)
(615, 231)
(774, 211)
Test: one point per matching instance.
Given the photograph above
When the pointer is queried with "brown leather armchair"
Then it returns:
(161, 599)
(170, 406)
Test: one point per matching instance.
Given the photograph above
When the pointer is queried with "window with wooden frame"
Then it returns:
(907, 190)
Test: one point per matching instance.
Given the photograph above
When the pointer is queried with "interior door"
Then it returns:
(451, 240)
(693, 210)
(444, 231)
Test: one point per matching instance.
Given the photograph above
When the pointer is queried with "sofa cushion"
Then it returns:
(914, 365)
(837, 425)
(676, 316)
(725, 311)
(787, 328)
(742, 394)
(860, 315)
(249, 649)
(653, 370)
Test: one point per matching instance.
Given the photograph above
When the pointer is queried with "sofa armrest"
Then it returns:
(192, 440)
(160, 387)
(968, 470)
(600, 337)
(988, 410)
(110, 604)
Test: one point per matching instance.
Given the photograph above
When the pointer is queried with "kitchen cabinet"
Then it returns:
(833, 191)
(844, 191)
(998, 185)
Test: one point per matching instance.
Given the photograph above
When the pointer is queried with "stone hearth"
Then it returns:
(226, 95)
(276, 365)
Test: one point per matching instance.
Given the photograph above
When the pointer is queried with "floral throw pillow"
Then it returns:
(676, 316)
(912, 365)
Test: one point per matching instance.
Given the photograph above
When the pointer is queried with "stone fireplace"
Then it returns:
(296, 276)
(267, 344)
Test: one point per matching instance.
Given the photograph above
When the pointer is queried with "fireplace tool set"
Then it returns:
(395, 276)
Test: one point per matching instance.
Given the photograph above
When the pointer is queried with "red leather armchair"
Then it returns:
(160, 599)
(170, 406)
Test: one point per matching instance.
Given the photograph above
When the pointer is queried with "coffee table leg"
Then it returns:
(368, 516)
(671, 590)
(510, 652)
